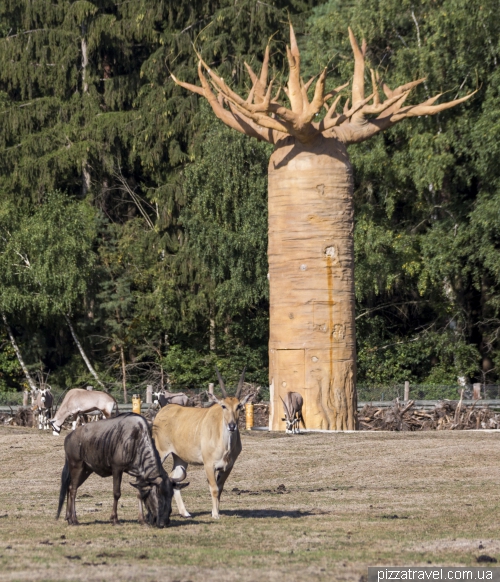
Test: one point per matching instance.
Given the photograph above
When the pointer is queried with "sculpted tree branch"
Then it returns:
(262, 116)
(312, 340)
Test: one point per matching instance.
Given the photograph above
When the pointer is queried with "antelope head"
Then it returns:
(231, 405)
(289, 418)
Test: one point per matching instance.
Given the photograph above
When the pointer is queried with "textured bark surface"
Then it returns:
(311, 275)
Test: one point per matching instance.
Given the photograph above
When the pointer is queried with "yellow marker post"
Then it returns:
(249, 416)
(136, 404)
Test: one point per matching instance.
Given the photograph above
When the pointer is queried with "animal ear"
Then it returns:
(245, 399)
(157, 481)
(141, 485)
(212, 397)
(180, 486)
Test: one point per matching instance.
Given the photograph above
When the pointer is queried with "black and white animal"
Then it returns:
(78, 401)
(42, 407)
(292, 406)
(110, 448)
(163, 398)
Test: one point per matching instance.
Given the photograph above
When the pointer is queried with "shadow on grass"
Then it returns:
(174, 522)
(263, 513)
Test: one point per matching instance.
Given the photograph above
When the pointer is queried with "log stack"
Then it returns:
(446, 415)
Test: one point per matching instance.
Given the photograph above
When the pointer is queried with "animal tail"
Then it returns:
(302, 419)
(65, 481)
(116, 404)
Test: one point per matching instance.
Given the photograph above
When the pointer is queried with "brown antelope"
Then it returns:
(202, 436)
(79, 401)
(292, 406)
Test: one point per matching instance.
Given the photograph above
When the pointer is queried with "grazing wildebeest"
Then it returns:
(110, 448)
(79, 401)
(42, 407)
(165, 398)
(293, 412)
(202, 436)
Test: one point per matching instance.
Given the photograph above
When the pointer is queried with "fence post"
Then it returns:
(476, 391)
(149, 394)
(407, 391)
(211, 388)
(90, 387)
(25, 398)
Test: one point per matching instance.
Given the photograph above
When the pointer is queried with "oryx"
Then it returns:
(79, 401)
(292, 406)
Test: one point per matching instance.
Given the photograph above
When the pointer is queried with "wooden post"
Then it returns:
(476, 391)
(90, 387)
(25, 398)
(211, 388)
(407, 391)
(149, 394)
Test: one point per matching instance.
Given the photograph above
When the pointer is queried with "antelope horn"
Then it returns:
(240, 383)
(287, 412)
(221, 383)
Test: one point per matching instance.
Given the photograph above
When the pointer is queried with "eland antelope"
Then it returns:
(202, 436)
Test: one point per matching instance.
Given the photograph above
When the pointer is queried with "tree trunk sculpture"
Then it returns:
(312, 345)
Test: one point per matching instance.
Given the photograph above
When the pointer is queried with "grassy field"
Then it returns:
(348, 501)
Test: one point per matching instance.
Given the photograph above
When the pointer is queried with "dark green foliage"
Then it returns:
(426, 192)
(87, 107)
(159, 223)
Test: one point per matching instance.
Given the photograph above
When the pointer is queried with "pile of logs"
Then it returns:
(446, 415)
(22, 417)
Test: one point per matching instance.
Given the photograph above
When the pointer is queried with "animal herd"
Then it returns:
(127, 443)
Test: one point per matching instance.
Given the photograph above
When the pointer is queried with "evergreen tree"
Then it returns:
(426, 258)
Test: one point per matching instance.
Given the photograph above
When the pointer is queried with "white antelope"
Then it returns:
(202, 436)
(292, 406)
(78, 401)
(42, 406)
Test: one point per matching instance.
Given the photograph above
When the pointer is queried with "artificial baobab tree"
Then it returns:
(312, 344)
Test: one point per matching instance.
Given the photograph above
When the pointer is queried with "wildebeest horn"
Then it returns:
(221, 383)
(240, 383)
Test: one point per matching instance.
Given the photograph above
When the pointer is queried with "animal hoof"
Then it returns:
(186, 515)
(56, 433)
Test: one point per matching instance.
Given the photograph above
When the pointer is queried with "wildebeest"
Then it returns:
(42, 407)
(110, 448)
(202, 436)
(79, 401)
(165, 398)
(292, 406)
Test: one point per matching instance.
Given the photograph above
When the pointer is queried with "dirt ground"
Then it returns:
(306, 507)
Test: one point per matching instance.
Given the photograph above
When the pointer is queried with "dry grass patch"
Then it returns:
(348, 501)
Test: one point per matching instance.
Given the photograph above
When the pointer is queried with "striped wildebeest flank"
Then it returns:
(110, 448)
(292, 406)
(78, 401)
(202, 436)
